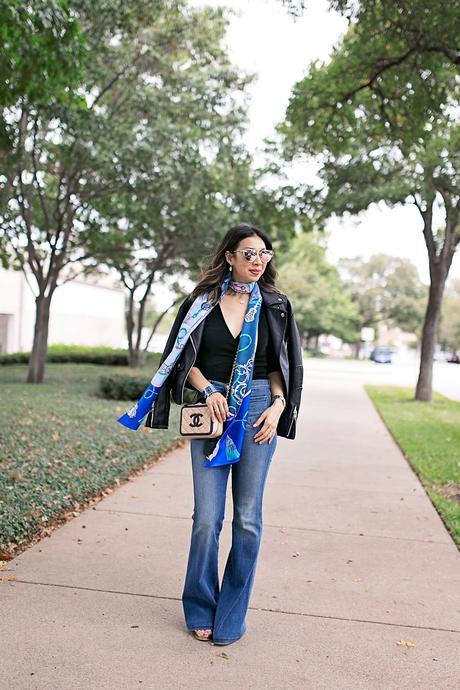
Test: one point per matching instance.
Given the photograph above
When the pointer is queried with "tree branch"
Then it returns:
(35, 177)
(159, 319)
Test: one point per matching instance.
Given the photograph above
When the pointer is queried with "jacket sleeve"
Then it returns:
(295, 353)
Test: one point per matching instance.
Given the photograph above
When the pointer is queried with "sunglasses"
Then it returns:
(250, 254)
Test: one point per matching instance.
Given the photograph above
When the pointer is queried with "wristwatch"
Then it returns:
(281, 397)
(209, 389)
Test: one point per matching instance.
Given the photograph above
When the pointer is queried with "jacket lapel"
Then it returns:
(277, 317)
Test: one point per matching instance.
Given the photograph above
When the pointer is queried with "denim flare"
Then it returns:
(205, 604)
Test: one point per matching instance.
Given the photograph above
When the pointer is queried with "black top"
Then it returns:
(218, 347)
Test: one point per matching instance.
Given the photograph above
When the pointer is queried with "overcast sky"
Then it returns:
(265, 39)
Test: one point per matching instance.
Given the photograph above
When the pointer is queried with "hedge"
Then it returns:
(75, 354)
(122, 387)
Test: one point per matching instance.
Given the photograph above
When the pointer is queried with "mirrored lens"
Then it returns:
(265, 255)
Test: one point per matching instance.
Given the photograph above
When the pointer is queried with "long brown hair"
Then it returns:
(217, 268)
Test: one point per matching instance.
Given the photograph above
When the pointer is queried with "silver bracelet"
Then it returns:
(281, 398)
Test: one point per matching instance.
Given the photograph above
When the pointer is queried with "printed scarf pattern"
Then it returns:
(228, 447)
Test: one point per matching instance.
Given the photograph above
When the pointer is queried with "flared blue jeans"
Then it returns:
(205, 604)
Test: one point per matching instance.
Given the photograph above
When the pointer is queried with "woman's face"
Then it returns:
(242, 269)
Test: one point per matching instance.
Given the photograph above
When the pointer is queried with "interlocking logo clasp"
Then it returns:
(195, 420)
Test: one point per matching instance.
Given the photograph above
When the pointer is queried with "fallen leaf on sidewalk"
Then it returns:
(405, 643)
(223, 655)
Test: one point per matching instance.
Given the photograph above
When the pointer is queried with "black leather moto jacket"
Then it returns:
(286, 341)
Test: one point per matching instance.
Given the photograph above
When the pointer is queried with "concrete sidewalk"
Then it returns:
(354, 563)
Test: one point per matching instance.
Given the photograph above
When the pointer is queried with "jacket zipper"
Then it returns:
(188, 372)
(294, 417)
(276, 306)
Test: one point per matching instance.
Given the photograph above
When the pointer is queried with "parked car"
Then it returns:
(453, 358)
(382, 354)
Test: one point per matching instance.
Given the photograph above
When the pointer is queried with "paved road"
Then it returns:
(402, 372)
(357, 583)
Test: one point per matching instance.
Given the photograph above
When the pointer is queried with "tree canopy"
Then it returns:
(385, 289)
(381, 118)
(128, 161)
(322, 303)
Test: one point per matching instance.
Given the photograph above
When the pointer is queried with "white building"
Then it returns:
(85, 311)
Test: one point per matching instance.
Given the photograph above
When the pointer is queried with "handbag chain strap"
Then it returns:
(229, 384)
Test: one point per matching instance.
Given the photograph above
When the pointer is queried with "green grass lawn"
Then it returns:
(429, 436)
(61, 445)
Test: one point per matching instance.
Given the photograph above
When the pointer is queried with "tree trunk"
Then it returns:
(423, 390)
(132, 359)
(440, 263)
(135, 323)
(37, 360)
(304, 340)
(158, 320)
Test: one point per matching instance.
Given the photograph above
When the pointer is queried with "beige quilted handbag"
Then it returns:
(196, 420)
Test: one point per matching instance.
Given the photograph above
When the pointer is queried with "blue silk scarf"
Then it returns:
(228, 447)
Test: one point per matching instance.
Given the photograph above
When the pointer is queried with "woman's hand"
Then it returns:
(270, 417)
(218, 405)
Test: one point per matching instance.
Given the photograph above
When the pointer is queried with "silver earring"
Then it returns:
(229, 267)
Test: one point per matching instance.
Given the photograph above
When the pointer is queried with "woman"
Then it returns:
(234, 320)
